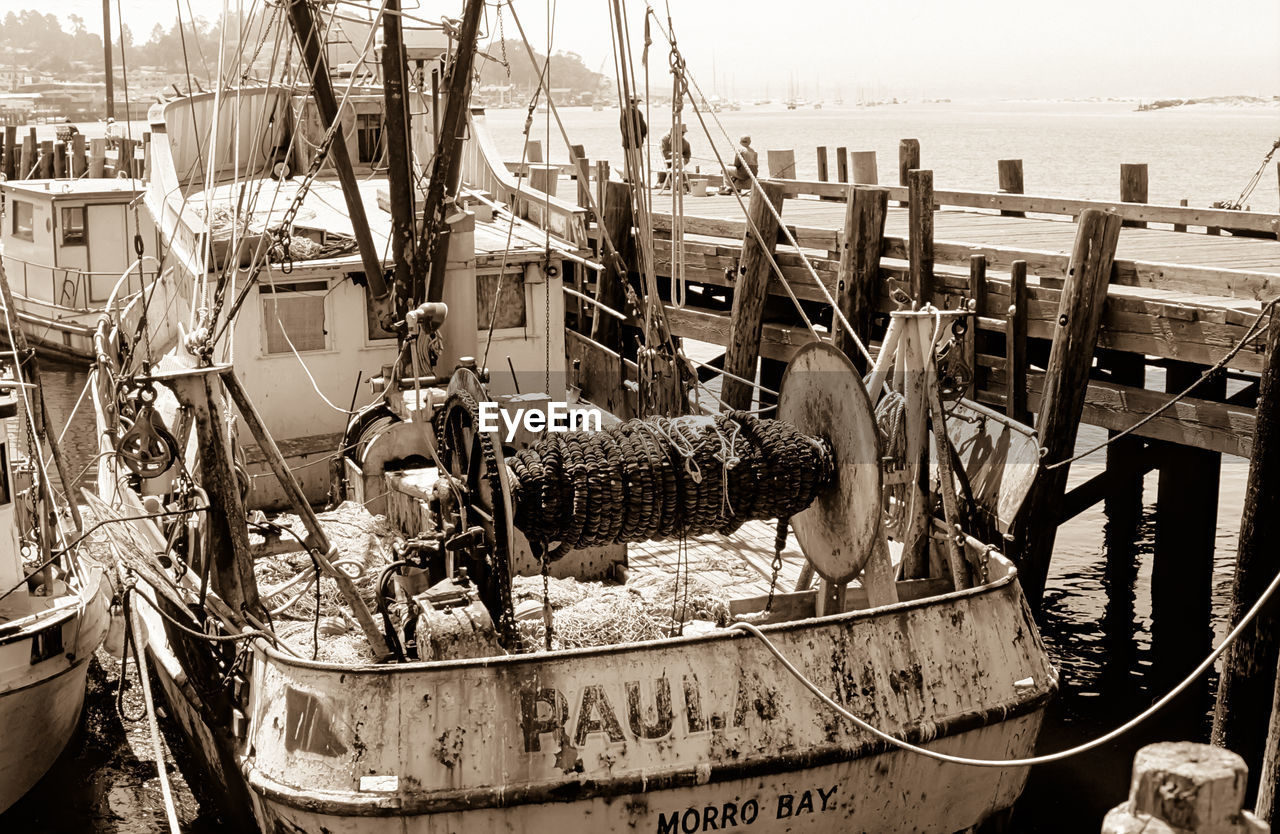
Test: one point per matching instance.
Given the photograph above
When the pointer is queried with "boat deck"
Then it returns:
(739, 564)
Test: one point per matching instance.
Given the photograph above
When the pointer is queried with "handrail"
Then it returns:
(1253, 221)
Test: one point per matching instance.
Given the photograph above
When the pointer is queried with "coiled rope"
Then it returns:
(662, 477)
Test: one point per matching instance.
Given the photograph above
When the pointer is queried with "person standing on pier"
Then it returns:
(634, 133)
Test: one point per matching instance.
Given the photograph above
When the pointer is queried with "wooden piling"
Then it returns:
(97, 157)
(822, 163)
(858, 275)
(1186, 529)
(1122, 503)
(1246, 687)
(908, 159)
(782, 164)
(544, 178)
(1079, 318)
(45, 164)
(533, 151)
(1015, 338)
(79, 162)
(615, 221)
(582, 166)
(864, 168)
(1180, 227)
(749, 294)
(602, 181)
(920, 242)
(27, 162)
(1133, 188)
(1010, 177)
(1185, 787)
(842, 164)
(59, 159)
(978, 300)
(10, 152)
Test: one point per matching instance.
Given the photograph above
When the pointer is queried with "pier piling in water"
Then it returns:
(1066, 379)
(842, 164)
(864, 168)
(920, 242)
(858, 278)
(10, 162)
(1133, 188)
(782, 164)
(822, 163)
(1016, 345)
(1246, 688)
(908, 159)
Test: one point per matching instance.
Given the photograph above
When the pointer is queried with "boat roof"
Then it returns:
(82, 187)
(324, 207)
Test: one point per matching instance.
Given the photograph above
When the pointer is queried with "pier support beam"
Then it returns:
(1066, 377)
(908, 159)
(842, 164)
(858, 278)
(920, 241)
(1133, 188)
(1182, 572)
(1010, 176)
(1246, 688)
(749, 295)
(615, 221)
(822, 163)
(1123, 503)
(864, 168)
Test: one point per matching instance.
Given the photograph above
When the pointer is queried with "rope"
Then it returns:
(664, 477)
(1249, 335)
(1191, 678)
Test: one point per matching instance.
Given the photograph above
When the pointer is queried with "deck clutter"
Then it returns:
(789, 581)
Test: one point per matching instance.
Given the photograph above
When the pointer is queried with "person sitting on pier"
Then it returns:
(746, 164)
(686, 152)
(113, 132)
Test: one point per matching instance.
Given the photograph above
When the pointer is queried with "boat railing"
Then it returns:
(484, 170)
(70, 288)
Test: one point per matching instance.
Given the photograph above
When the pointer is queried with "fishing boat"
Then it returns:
(53, 616)
(66, 244)
(462, 711)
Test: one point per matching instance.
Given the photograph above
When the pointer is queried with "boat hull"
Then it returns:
(644, 737)
(40, 702)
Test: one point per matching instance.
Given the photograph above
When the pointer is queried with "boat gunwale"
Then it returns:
(571, 789)
(262, 646)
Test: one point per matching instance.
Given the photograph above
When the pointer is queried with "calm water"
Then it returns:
(1098, 604)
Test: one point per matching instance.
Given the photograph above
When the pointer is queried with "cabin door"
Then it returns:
(110, 234)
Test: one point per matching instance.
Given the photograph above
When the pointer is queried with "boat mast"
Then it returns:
(309, 40)
(446, 168)
(399, 156)
(106, 59)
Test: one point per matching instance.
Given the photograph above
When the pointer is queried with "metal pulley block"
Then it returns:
(147, 447)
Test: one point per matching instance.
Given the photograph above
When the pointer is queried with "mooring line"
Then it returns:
(1033, 760)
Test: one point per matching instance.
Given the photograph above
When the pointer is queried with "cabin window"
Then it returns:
(23, 220)
(511, 304)
(294, 313)
(73, 233)
(369, 137)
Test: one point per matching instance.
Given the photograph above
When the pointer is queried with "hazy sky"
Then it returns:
(929, 48)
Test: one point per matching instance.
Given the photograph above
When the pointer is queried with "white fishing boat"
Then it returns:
(51, 622)
(451, 718)
(66, 244)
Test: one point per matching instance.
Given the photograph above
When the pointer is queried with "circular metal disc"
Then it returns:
(464, 379)
(823, 395)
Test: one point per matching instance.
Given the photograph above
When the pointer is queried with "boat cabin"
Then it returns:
(67, 242)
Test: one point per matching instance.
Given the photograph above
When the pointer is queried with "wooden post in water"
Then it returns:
(1133, 188)
(920, 241)
(59, 160)
(1246, 688)
(544, 178)
(27, 162)
(749, 294)
(10, 152)
(1015, 336)
(602, 182)
(97, 157)
(1180, 227)
(864, 168)
(858, 276)
(1010, 173)
(79, 163)
(822, 163)
(908, 159)
(1182, 568)
(782, 164)
(842, 164)
(1076, 333)
(533, 150)
(1125, 472)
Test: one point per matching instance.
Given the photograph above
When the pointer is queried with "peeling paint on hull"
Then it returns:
(693, 734)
